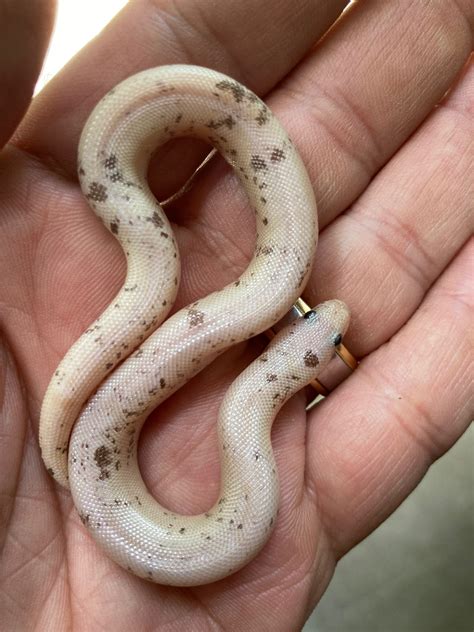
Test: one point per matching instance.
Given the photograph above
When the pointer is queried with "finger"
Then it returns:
(386, 251)
(25, 28)
(374, 438)
(368, 86)
(258, 51)
(349, 106)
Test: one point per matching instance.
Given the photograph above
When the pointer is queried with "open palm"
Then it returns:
(391, 175)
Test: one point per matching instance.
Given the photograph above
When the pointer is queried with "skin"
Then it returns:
(360, 109)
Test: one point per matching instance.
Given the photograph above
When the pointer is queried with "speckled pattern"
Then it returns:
(125, 363)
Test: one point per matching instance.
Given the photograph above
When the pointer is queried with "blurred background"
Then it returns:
(416, 572)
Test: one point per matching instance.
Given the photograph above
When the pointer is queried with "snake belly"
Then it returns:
(131, 359)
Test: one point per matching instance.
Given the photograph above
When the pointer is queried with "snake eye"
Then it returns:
(310, 314)
(337, 340)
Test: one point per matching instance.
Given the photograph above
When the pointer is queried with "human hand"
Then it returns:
(398, 256)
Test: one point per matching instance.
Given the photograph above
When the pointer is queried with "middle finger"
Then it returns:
(349, 107)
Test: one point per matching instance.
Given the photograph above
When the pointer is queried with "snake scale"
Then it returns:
(133, 357)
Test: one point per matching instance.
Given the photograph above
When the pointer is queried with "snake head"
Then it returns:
(331, 318)
(325, 325)
(309, 343)
(323, 328)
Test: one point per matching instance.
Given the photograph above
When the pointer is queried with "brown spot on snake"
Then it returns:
(311, 359)
(97, 192)
(195, 317)
(237, 91)
(277, 155)
(103, 458)
(258, 163)
(156, 219)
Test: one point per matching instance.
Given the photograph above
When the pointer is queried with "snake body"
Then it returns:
(131, 359)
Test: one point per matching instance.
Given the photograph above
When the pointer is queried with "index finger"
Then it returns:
(146, 33)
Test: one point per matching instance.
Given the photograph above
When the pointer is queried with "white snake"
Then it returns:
(93, 414)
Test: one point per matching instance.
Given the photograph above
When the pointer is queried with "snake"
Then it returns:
(136, 355)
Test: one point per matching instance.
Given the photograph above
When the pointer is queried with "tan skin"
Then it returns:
(391, 177)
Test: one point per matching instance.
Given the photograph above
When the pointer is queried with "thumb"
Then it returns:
(25, 27)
